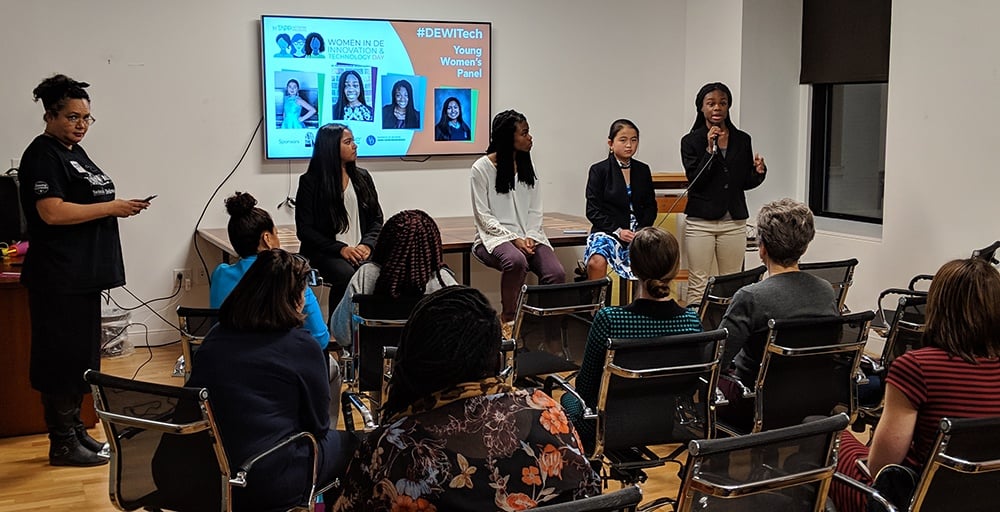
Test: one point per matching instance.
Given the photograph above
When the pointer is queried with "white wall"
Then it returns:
(176, 90)
(941, 186)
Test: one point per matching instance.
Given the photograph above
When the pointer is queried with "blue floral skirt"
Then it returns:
(608, 246)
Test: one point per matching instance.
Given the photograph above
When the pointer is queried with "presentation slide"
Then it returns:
(405, 88)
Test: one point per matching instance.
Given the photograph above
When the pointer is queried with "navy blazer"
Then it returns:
(720, 188)
(608, 205)
(314, 226)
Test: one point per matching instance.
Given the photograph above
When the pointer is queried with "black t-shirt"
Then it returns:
(83, 257)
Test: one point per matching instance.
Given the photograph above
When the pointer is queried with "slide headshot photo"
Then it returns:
(454, 116)
(403, 101)
(354, 95)
(296, 94)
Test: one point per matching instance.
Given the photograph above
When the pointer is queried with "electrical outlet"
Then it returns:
(184, 275)
(200, 276)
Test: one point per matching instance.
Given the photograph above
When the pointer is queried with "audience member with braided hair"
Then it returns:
(507, 203)
(455, 436)
(407, 262)
(655, 258)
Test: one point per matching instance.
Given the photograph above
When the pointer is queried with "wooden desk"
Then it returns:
(457, 235)
(670, 181)
(21, 413)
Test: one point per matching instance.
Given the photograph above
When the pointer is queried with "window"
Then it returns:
(847, 167)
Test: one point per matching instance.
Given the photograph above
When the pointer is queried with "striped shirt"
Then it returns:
(939, 386)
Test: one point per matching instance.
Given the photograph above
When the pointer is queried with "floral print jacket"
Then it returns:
(477, 446)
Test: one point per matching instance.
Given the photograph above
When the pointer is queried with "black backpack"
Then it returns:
(13, 226)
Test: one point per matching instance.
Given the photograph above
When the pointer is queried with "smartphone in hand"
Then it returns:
(150, 198)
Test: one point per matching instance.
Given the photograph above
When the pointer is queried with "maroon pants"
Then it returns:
(514, 266)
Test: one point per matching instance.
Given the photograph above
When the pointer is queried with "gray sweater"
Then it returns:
(782, 296)
(364, 282)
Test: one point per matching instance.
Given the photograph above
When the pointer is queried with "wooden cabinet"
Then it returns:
(21, 409)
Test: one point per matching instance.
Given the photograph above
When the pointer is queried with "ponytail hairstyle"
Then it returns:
(408, 250)
(655, 258)
(452, 336)
(55, 90)
(502, 143)
(325, 167)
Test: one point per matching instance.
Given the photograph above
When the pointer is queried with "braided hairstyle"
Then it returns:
(55, 90)
(246, 223)
(502, 143)
(452, 336)
(408, 251)
(655, 257)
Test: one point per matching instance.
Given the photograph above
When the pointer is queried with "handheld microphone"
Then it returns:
(715, 144)
(691, 183)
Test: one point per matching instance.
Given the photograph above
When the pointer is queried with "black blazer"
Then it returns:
(607, 200)
(412, 120)
(720, 188)
(314, 227)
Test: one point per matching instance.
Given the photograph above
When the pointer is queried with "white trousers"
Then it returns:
(722, 242)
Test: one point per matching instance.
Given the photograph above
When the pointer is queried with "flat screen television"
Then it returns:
(405, 88)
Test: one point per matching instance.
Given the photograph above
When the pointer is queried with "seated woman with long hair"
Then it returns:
(454, 435)
(267, 381)
(956, 375)
(655, 256)
(407, 262)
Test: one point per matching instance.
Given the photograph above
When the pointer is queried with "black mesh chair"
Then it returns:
(905, 333)
(371, 418)
(543, 310)
(840, 274)
(719, 293)
(137, 416)
(379, 323)
(653, 391)
(808, 369)
(194, 325)
(962, 473)
(625, 499)
(727, 474)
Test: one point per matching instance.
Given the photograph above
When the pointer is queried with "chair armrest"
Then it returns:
(876, 366)
(916, 279)
(866, 490)
(588, 413)
(720, 397)
(744, 390)
(350, 401)
(241, 476)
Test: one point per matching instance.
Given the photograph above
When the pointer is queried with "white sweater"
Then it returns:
(503, 217)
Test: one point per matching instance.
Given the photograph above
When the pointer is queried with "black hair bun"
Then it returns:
(56, 87)
(240, 204)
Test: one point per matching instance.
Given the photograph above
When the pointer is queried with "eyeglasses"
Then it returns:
(76, 118)
(312, 277)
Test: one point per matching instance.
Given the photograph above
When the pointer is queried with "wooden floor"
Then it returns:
(28, 483)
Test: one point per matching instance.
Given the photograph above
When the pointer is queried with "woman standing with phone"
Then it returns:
(75, 253)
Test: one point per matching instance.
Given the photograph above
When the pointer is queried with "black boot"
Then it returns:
(62, 411)
(88, 442)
